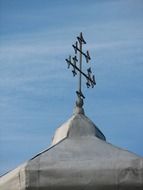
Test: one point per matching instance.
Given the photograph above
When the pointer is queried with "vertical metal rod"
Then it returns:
(80, 66)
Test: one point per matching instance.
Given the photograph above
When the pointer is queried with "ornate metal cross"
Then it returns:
(77, 68)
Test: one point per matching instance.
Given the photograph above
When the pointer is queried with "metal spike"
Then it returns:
(89, 70)
(75, 59)
(68, 63)
(75, 46)
(74, 72)
(87, 57)
(93, 78)
(88, 84)
(82, 39)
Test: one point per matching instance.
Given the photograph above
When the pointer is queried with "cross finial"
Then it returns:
(76, 64)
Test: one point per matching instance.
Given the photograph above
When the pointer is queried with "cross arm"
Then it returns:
(88, 77)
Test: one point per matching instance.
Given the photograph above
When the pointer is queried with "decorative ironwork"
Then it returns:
(76, 64)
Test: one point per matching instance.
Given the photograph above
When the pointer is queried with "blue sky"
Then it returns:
(37, 91)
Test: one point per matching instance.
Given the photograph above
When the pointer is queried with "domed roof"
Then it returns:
(78, 125)
(79, 158)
